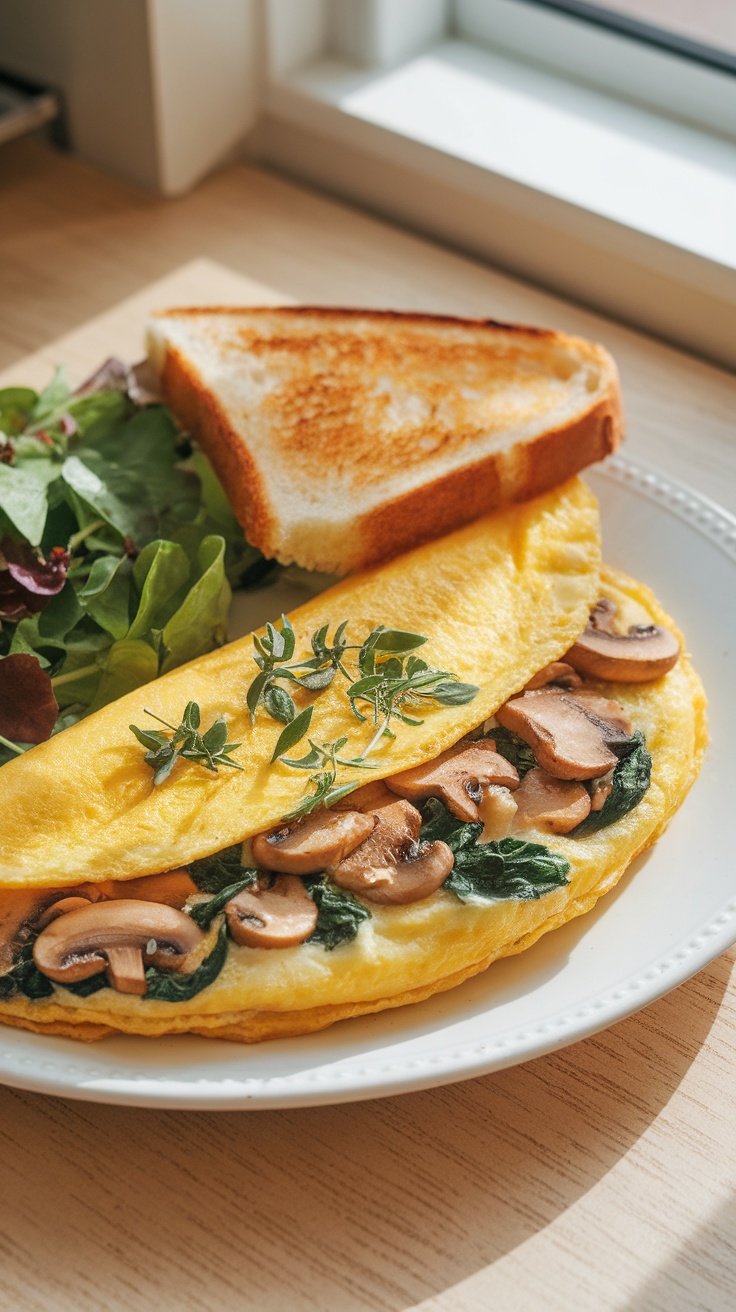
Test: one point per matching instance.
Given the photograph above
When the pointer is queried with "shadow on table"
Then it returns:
(697, 1275)
(362, 1206)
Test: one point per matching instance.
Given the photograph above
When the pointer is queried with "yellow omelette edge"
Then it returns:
(497, 600)
(404, 954)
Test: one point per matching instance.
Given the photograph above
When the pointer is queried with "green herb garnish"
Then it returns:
(393, 679)
(502, 870)
(631, 779)
(210, 749)
(315, 673)
(325, 789)
(340, 914)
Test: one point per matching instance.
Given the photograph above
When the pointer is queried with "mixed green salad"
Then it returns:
(118, 550)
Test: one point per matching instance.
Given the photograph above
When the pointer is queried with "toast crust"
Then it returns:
(421, 512)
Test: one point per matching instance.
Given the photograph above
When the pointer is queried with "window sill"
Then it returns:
(602, 200)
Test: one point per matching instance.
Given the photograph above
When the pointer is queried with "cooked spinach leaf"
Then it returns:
(213, 873)
(513, 748)
(631, 779)
(502, 870)
(25, 977)
(205, 912)
(174, 986)
(340, 914)
(84, 988)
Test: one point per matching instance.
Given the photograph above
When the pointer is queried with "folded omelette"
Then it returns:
(419, 771)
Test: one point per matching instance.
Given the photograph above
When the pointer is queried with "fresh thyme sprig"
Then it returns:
(325, 790)
(273, 652)
(210, 749)
(392, 678)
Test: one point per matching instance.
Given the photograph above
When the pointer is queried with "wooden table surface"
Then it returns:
(599, 1177)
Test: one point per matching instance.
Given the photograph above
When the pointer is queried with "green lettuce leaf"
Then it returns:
(129, 664)
(200, 623)
(106, 596)
(161, 572)
(16, 405)
(24, 497)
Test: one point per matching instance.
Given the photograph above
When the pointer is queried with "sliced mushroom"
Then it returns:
(457, 777)
(645, 652)
(390, 866)
(277, 915)
(61, 908)
(555, 805)
(604, 708)
(567, 740)
(559, 673)
(20, 910)
(319, 840)
(497, 811)
(114, 936)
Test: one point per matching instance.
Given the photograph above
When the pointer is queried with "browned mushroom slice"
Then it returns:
(604, 708)
(566, 740)
(61, 908)
(20, 910)
(390, 866)
(559, 673)
(645, 652)
(277, 915)
(113, 936)
(556, 805)
(319, 840)
(457, 777)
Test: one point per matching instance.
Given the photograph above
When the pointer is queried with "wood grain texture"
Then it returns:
(601, 1176)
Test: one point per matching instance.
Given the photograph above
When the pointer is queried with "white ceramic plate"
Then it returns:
(672, 913)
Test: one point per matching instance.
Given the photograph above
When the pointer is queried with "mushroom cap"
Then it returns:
(557, 672)
(643, 653)
(81, 944)
(567, 740)
(396, 830)
(457, 777)
(543, 802)
(390, 866)
(312, 844)
(279, 915)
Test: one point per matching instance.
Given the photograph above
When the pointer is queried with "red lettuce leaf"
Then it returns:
(30, 580)
(28, 709)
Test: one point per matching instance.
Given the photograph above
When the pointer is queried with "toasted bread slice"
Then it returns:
(343, 437)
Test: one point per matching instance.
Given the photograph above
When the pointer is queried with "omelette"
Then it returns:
(419, 771)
